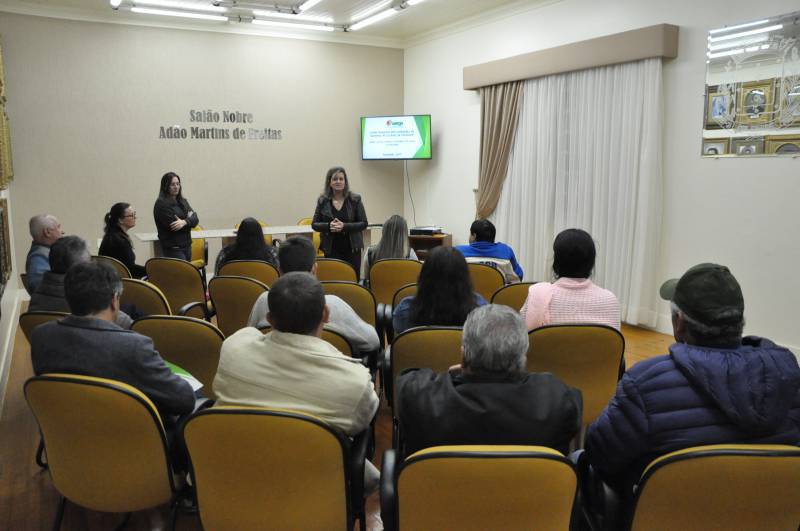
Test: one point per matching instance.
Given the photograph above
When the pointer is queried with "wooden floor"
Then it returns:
(28, 500)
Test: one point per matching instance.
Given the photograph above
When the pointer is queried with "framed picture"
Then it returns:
(713, 147)
(747, 146)
(789, 102)
(720, 106)
(784, 145)
(5, 244)
(756, 103)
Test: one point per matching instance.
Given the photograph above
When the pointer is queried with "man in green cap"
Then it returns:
(713, 387)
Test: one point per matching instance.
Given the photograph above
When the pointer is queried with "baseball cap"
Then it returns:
(707, 293)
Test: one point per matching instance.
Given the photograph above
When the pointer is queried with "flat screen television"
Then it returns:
(396, 137)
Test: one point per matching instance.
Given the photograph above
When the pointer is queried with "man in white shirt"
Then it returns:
(297, 254)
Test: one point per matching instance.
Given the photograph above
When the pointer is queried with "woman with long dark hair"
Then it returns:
(116, 242)
(444, 293)
(174, 219)
(340, 219)
(394, 244)
(249, 245)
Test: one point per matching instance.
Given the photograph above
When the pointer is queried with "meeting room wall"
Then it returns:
(86, 102)
(739, 212)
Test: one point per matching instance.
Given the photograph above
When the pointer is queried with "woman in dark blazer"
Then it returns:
(340, 219)
(174, 219)
(116, 242)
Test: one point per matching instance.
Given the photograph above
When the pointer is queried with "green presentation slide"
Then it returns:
(396, 137)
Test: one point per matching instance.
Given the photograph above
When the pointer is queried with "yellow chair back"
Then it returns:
(264, 272)
(359, 298)
(335, 269)
(735, 486)
(146, 297)
(338, 340)
(315, 239)
(409, 290)
(388, 275)
(121, 269)
(233, 298)
(191, 344)
(512, 295)
(434, 347)
(587, 357)
(256, 468)
(486, 487)
(30, 320)
(106, 446)
(199, 250)
(179, 281)
(485, 279)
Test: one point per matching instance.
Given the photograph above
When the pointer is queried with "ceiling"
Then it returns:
(409, 23)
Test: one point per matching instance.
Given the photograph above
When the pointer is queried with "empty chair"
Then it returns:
(586, 357)
(512, 295)
(146, 297)
(191, 344)
(106, 446)
(264, 272)
(199, 250)
(314, 235)
(335, 269)
(257, 468)
(121, 269)
(477, 488)
(181, 283)
(387, 276)
(485, 279)
(233, 298)
(30, 320)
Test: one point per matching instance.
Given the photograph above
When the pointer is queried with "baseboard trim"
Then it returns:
(10, 307)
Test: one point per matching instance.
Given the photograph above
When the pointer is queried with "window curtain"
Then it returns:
(500, 106)
(587, 154)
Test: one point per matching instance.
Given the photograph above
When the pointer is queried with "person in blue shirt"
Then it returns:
(483, 248)
(45, 230)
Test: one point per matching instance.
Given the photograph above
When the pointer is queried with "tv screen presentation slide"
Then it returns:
(396, 137)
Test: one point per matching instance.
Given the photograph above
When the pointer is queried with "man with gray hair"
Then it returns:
(45, 230)
(490, 398)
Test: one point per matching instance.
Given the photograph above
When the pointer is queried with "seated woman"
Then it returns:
(444, 293)
(393, 244)
(116, 242)
(572, 298)
(249, 245)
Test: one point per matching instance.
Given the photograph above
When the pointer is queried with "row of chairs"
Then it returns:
(256, 468)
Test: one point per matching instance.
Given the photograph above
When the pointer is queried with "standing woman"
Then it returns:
(116, 242)
(340, 219)
(174, 219)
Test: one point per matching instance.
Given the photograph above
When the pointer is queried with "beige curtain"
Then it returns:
(500, 106)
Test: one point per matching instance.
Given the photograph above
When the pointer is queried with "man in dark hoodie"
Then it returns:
(713, 387)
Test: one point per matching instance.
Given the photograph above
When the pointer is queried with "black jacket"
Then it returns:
(455, 408)
(353, 216)
(164, 212)
(118, 245)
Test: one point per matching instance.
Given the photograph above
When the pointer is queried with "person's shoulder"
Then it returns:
(322, 199)
(650, 368)
(354, 197)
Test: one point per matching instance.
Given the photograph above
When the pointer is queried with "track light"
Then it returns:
(292, 25)
(308, 4)
(292, 16)
(183, 14)
(373, 19)
(180, 5)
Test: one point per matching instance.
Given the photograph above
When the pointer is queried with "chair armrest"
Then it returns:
(386, 375)
(601, 504)
(388, 490)
(183, 310)
(358, 454)
(388, 326)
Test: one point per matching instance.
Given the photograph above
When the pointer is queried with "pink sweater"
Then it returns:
(570, 300)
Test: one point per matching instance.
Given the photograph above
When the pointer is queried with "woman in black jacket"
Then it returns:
(116, 242)
(340, 219)
(174, 219)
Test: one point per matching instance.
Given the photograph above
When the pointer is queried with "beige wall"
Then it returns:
(86, 101)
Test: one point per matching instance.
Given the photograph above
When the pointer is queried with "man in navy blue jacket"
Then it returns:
(483, 248)
(713, 387)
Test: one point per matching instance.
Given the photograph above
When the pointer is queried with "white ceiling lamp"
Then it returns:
(292, 16)
(725, 54)
(182, 14)
(278, 24)
(370, 10)
(414, 2)
(181, 5)
(115, 4)
(373, 19)
(735, 44)
(746, 33)
(739, 26)
(308, 4)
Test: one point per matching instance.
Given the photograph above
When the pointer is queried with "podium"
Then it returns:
(424, 244)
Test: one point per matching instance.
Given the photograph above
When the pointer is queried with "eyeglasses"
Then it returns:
(130, 215)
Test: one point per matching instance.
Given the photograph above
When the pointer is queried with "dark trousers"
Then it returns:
(351, 257)
(180, 252)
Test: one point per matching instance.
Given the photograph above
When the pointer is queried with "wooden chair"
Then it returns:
(257, 468)
(587, 357)
(512, 295)
(192, 344)
(264, 272)
(30, 320)
(315, 239)
(233, 299)
(106, 445)
(121, 269)
(182, 285)
(485, 279)
(146, 297)
(335, 269)
(478, 487)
